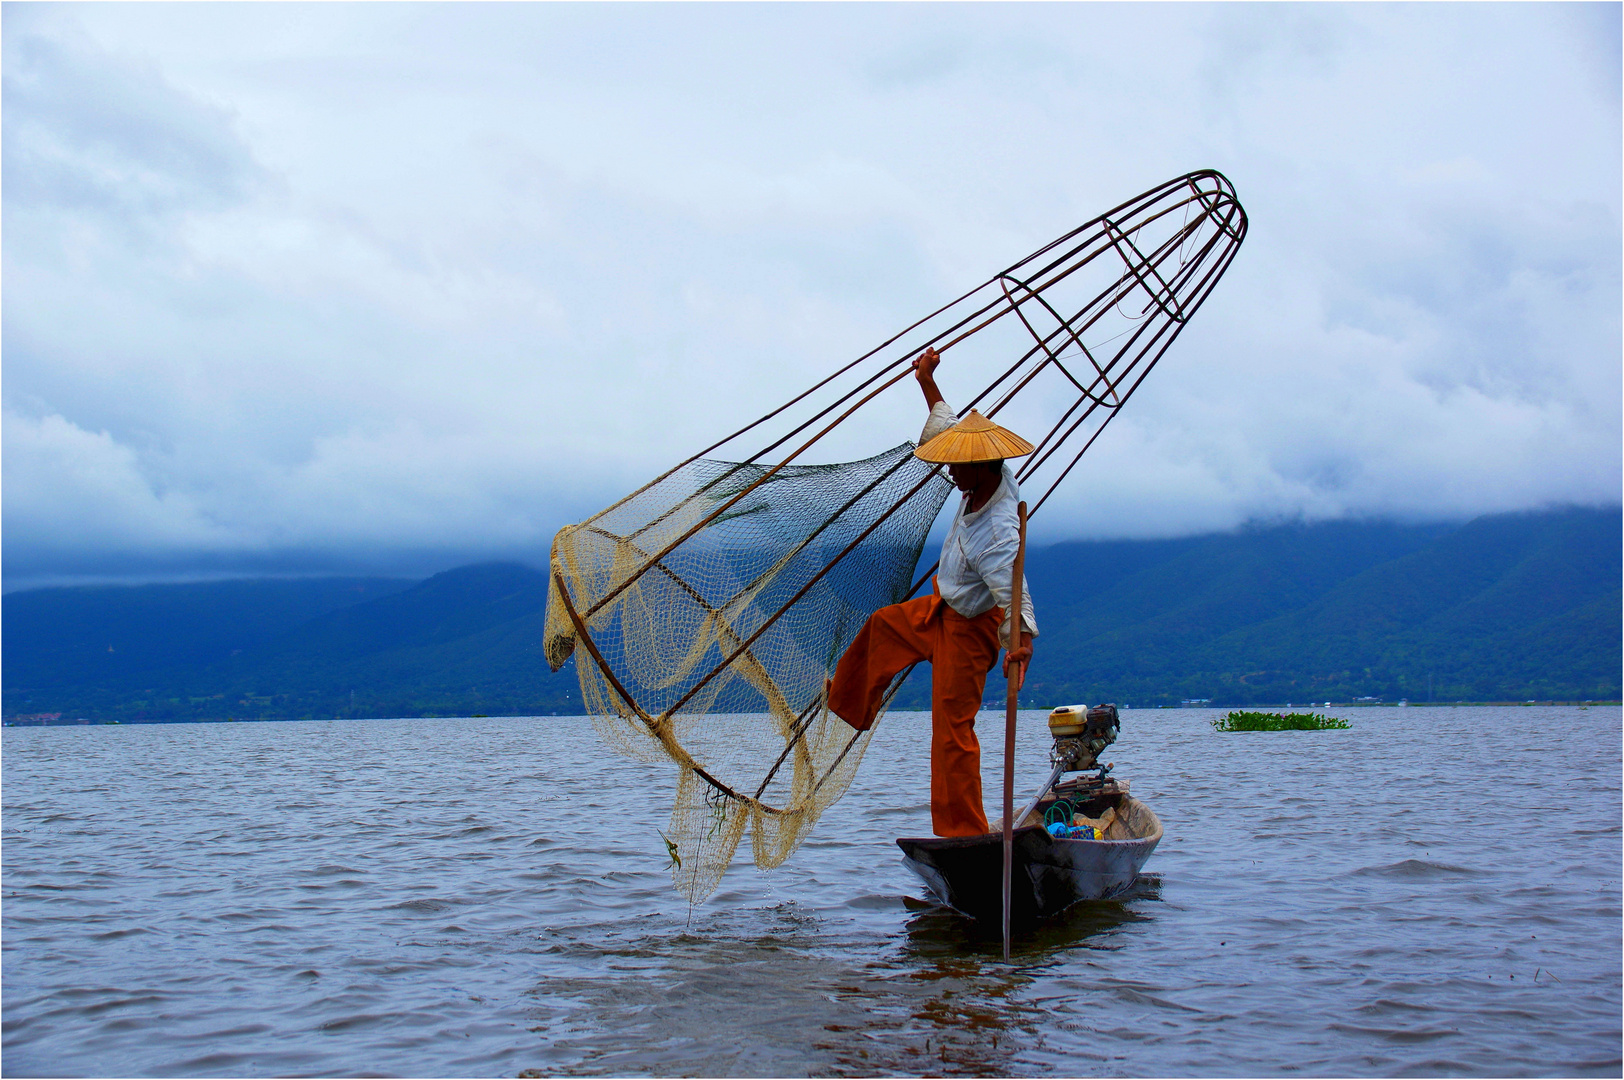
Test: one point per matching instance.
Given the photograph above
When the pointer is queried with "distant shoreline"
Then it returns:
(37, 722)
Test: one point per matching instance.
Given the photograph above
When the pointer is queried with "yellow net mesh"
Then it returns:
(708, 642)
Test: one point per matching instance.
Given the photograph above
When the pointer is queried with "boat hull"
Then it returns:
(1050, 875)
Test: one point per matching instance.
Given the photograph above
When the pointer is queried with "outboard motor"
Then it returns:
(1081, 734)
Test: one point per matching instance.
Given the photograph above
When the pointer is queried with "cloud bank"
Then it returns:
(342, 287)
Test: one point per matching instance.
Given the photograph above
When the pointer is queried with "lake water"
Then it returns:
(1433, 892)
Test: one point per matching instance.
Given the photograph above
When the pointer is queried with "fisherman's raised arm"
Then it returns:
(925, 372)
(941, 415)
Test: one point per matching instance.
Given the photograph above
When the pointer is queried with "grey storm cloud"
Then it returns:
(301, 288)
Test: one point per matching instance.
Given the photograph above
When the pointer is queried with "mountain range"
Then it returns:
(1503, 608)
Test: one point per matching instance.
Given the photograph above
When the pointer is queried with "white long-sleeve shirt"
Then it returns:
(978, 557)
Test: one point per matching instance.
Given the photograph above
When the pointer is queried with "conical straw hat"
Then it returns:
(975, 438)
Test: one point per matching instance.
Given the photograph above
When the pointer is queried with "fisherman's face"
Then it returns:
(968, 476)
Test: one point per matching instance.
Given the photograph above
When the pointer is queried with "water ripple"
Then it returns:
(489, 897)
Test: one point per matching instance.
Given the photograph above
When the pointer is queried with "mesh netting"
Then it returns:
(745, 615)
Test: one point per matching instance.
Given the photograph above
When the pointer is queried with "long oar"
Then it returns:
(1016, 675)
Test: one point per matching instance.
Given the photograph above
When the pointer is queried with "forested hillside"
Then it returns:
(119, 637)
(1504, 608)
(1508, 607)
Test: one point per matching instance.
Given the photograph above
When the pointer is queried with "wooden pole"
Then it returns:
(1016, 674)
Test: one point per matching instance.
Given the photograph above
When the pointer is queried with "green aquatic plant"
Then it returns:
(671, 850)
(1263, 721)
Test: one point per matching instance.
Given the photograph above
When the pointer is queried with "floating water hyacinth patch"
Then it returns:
(1263, 721)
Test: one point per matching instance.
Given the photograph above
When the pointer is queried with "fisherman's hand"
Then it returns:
(925, 366)
(1021, 656)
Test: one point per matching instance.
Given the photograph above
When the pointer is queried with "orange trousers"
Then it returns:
(960, 652)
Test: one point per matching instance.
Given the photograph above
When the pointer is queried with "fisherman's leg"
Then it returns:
(893, 638)
(968, 648)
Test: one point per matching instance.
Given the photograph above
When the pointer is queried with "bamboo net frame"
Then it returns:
(725, 590)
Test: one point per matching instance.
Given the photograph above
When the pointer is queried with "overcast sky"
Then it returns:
(392, 288)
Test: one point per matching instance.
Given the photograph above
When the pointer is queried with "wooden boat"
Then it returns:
(1050, 873)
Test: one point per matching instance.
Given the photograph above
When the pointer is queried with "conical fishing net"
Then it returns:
(712, 604)
(725, 645)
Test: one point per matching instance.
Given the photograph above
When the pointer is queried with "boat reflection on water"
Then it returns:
(966, 1010)
(937, 930)
(951, 1014)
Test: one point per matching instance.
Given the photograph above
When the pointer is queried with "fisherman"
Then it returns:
(960, 627)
